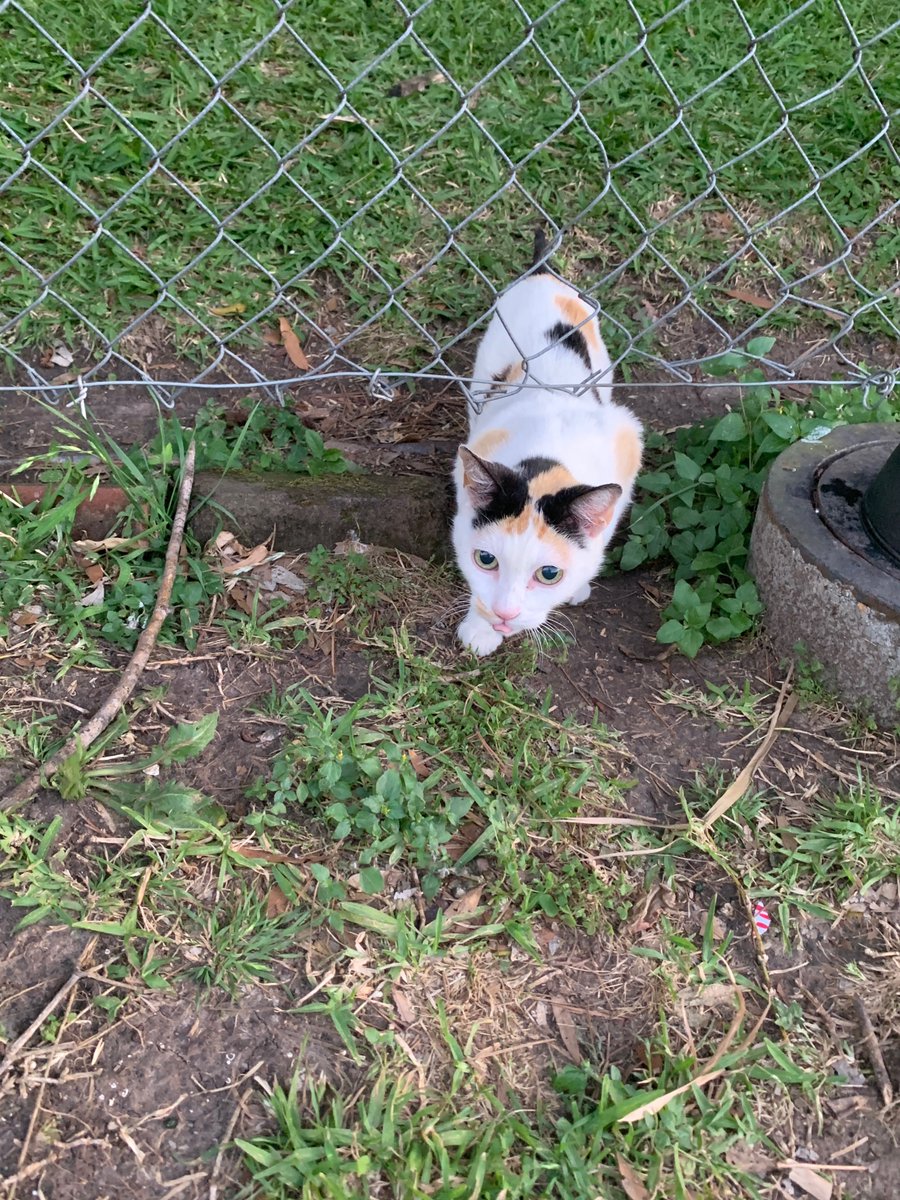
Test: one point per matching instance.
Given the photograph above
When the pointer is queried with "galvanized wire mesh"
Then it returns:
(791, 264)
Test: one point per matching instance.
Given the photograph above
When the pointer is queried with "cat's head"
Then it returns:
(529, 539)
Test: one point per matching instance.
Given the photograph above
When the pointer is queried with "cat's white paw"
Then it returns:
(582, 595)
(477, 635)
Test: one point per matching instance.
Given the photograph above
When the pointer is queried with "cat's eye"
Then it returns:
(486, 560)
(548, 575)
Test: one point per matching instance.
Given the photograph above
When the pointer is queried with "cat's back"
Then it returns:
(543, 333)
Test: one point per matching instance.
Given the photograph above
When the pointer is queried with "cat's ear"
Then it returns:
(593, 509)
(482, 480)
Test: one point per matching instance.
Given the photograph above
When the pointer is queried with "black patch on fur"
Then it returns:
(539, 264)
(572, 338)
(532, 467)
(558, 512)
(509, 497)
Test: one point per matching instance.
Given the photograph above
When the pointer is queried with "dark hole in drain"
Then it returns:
(840, 496)
(881, 507)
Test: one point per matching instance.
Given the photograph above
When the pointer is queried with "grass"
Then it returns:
(124, 225)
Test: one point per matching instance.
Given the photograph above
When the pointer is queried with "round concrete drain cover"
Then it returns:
(825, 582)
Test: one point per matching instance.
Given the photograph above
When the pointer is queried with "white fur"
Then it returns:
(579, 432)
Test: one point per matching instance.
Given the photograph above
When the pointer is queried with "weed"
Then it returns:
(696, 506)
(267, 438)
(851, 844)
(364, 785)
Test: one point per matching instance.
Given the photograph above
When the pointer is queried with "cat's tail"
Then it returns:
(539, 260)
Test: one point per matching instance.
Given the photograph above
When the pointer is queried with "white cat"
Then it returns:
(546, 475)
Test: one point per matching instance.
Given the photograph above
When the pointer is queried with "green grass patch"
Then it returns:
(306, 139)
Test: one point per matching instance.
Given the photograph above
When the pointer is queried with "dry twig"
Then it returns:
(113, 703)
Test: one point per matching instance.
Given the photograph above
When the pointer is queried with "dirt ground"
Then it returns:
(141, 1105)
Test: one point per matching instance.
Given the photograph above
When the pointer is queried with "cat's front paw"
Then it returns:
(476, 635)
(582, 595)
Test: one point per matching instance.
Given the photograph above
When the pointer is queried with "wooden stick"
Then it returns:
(113, 703)
(873, 1050)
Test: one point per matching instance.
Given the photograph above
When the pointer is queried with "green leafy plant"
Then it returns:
(266, 438)
(696, 504)
(363, 784)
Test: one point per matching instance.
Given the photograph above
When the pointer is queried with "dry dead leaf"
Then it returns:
(813, 1184)
(61, 357)
(95, 596)
(292, 346)
(228, 310)
(463, 839)
(25, 618)
(754, 299)
(419, 764)
(659, 1102)
(752, 1159)
(254, 557)
(632, 1184)
(464, 904)
(271, 336)
(90, 546)
(94, 572)
(66, 377)
(277, 902)
(403, 1006)
(566, 1027)
(417, 83)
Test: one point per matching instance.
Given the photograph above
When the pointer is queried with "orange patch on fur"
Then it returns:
(577, 313)
(627, 451)
(559, 548)
(517, 524)
(548, 483)
(485, 445)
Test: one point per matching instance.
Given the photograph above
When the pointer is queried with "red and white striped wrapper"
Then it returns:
(761, 918)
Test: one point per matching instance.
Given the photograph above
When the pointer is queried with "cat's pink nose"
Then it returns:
(507, 614)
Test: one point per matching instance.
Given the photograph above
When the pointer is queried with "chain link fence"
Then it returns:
(257, 194)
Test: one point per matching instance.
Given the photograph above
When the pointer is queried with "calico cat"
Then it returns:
(545, 475)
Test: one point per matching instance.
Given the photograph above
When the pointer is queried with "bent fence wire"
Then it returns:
(184, 184)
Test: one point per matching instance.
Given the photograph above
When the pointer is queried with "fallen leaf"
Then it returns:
(417, 83)
(463, 839)
(90, 546)
(632, 1184)
(61, 357)
(277, 902)
(66, 377)
(25, 618)
(404, 1009)
(271, 336)
(464, 904)
(94, 572)
(652, 1107)
(813, 1184)
(257, 555)
(228, 310)
(752, 298)
(95, 596)
(566, 1027)
(752, 1159)
(418, 764)
(292, 345)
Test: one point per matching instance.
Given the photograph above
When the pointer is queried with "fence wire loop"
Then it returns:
(665, 314)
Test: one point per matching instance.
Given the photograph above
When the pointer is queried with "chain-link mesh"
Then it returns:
(183, 187)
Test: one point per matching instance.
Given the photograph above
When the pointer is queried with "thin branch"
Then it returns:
(113, 703)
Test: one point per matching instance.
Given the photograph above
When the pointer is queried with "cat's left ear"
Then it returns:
(593, 509)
